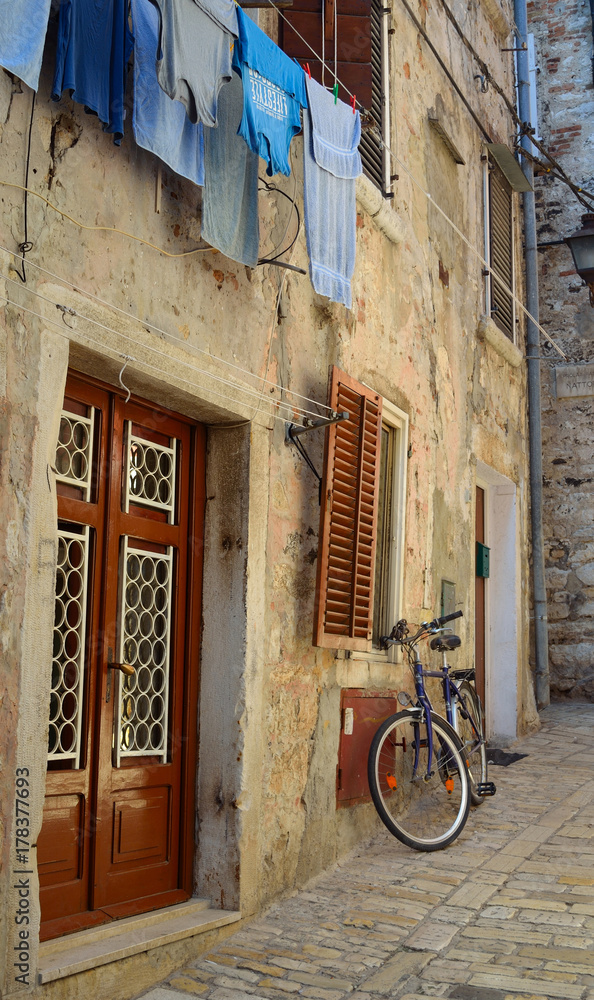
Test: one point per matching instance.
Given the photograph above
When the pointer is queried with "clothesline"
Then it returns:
(218, 158)
(295, 412)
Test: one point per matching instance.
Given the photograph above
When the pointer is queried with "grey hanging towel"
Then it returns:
(331, 135)
(230, 199)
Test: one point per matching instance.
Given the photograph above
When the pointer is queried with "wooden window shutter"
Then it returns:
(501, 248)
(353, 67)
(348, 518)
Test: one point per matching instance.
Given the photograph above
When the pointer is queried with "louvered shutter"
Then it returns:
(501, 248)
(348, 518)
(360, 45)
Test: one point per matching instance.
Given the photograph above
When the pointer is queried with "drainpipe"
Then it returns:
(541, 639)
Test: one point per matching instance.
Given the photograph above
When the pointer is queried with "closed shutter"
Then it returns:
(359, 49)
(353, 32)
(501, 249)
(348, 518)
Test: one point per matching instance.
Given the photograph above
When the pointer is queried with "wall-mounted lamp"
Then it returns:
(581, 244)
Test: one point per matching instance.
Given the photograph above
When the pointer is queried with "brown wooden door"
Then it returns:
(117, 831)
(479, 601)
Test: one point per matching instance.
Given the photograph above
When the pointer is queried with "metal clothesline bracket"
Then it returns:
(292, 432)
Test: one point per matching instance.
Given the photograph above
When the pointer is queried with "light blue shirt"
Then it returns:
(161, 125)
(22, 37)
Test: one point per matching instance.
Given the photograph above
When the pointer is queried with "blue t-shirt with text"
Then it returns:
(273, 95)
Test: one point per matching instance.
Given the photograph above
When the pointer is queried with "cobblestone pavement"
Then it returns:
(505, 913)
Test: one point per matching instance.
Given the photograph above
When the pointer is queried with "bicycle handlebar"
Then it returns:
(399, 633)
(449, 618)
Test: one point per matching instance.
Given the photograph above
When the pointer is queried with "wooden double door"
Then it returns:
(117, 834)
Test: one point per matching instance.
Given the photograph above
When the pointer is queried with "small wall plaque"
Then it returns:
(574, 380)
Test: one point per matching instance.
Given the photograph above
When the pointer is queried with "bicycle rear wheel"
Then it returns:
(472, 736)
(423, 803)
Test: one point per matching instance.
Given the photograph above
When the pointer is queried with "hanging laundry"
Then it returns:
(331, 135)
(230, 198)
(94, 45)
(22, 37)
(273, 95)
(160, 124)
(195, 45)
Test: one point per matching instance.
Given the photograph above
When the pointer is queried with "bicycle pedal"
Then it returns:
(486, 788)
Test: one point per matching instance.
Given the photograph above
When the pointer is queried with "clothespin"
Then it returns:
(335, 92)
(353, 102)
(306, 67)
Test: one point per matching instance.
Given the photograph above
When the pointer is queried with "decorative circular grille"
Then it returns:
(146, 623)
(151, 474)
(68, 646)
(73, 450)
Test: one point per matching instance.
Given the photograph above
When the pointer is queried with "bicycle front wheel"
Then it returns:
(470, 729)
(423, 802)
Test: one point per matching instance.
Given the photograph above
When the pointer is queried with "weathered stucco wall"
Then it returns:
(270, 702)
(563, 33)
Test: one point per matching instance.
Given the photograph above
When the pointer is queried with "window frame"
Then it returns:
(397, 421)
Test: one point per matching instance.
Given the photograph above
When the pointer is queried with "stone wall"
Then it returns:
(563, 33)
(270, 702)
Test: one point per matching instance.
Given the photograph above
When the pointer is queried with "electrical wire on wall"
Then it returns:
(26, 246)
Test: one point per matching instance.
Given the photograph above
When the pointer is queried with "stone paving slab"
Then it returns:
(505, 913)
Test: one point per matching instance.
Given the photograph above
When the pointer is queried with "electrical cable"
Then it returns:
(268, 259)
(303, 411)
(26, 246)
(420, 187)
(164, 333)
(293, 200)
(521, 125)
(275, 314)
(106, 229)
(145, 364)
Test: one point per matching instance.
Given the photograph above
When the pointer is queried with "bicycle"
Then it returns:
(417, 770)
(465, 713)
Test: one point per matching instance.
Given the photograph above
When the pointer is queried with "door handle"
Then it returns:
(126, 668)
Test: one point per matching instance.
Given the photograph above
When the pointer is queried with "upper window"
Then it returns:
(499, 249)
(361, 521)
(350, 40)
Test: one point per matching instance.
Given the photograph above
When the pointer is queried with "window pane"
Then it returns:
(382, 560)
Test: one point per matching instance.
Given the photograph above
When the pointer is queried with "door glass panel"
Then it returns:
(144, 631)
(150, 474)
(67, 686)
(74, 451)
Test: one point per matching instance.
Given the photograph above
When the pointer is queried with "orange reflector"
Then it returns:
(449, 783)
(391, 780)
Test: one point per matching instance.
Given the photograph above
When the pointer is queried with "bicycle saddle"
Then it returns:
(445, 643)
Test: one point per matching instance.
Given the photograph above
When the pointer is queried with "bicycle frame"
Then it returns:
(452, 697)
(423, 702)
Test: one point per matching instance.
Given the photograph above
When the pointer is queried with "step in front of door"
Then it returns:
(120, 939)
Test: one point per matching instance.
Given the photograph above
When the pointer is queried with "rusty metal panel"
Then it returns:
(362, 712)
